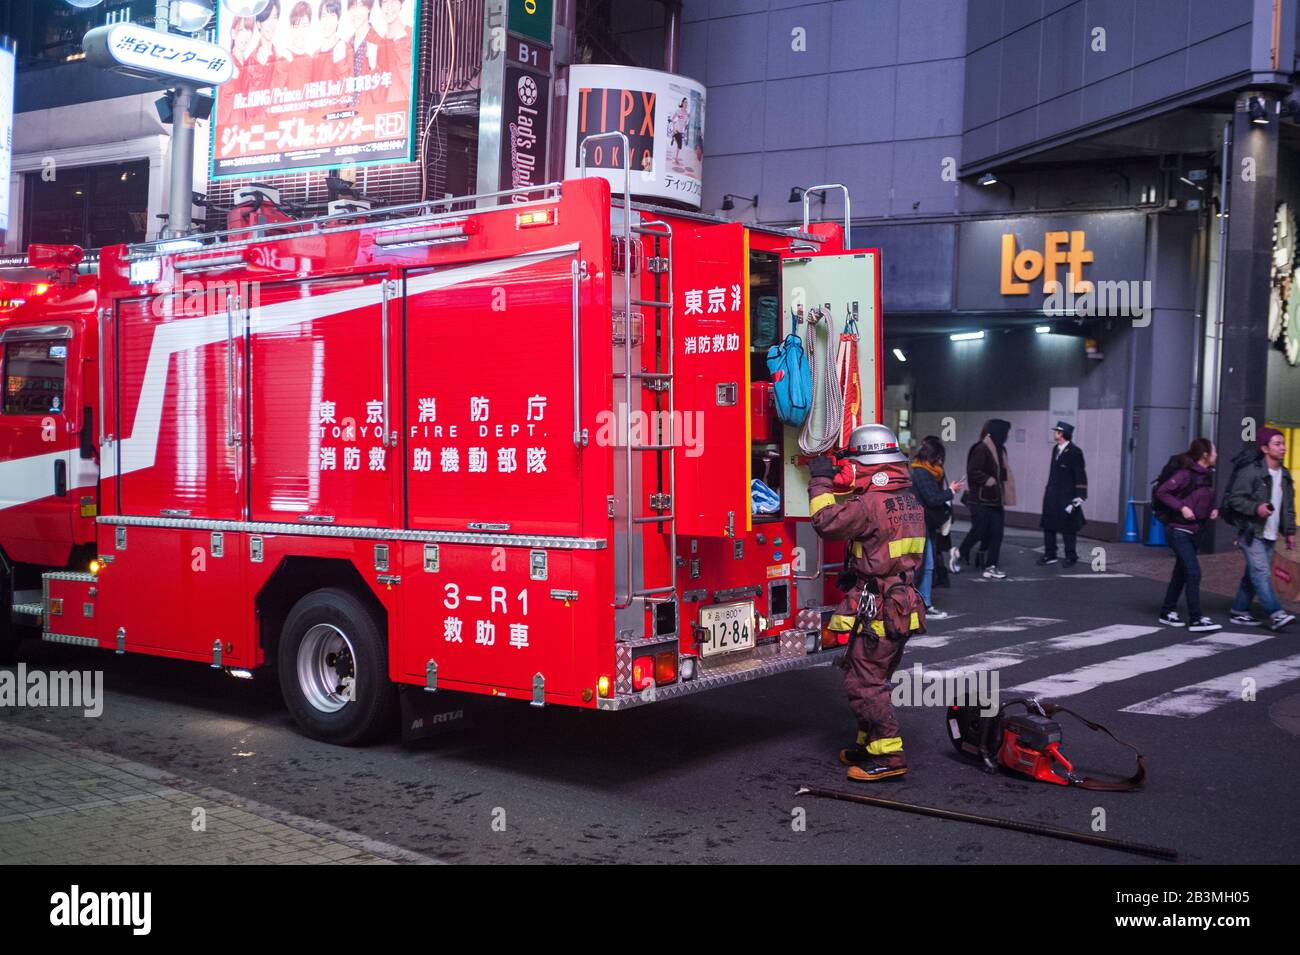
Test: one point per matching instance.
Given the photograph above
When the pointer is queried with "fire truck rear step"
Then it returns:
(789, 653)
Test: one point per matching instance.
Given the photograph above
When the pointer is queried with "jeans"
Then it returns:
(986, 525)
(1049, 544)
(1257, 580)
(924, 585)
(1187, 574)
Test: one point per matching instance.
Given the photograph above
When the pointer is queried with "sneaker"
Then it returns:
(1280, 620)
(1045, 560)
(1243, 619)
(1171, 619)
(878, 768)
(992, 572)
(954, 560)
(934, 613)
(1202, 625)
(1069, 562)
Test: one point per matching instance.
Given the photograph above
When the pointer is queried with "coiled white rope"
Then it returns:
(825, 385)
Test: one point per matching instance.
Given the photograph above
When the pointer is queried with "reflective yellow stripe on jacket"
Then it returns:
(820, 501)
(878, 626)
(906, 545)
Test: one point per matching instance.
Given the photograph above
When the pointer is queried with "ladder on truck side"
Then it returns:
(660, 380)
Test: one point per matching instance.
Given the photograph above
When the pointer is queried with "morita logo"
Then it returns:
(77, 908)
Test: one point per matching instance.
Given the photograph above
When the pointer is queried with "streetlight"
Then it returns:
(191, 16)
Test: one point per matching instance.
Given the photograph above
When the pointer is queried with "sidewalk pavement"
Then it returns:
(64, 803)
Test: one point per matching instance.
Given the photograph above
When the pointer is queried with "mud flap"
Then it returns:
(429, 715)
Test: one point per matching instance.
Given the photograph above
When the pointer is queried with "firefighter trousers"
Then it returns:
(867, 683)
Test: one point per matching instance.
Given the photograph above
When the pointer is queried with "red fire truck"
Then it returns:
(501, 446)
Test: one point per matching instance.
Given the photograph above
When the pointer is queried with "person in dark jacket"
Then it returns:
(1261, 505)
(1067, 489)
(930, 485)
(1189, 495)
(990, 487)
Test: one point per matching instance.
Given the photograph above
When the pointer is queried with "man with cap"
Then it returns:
(866, 500)
(1261, 505)
(1067, 489)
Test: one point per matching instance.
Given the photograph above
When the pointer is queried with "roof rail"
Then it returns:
(411, 210)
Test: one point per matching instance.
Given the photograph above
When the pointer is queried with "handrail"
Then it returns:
(386, 291)
(627, 336)
(848, 222)
(100, 373)
(231, 438)
(579, 432)
(372, 216)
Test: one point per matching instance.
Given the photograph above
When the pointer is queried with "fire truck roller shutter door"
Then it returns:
(333, 664)
(489, 366)
(317, 410)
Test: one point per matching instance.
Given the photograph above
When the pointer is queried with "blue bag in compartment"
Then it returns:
(763, 499)
(791, 380)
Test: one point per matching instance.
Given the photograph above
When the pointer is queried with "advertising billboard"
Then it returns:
(662, 116)
(317, 84)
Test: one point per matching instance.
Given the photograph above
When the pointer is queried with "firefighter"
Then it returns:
(866, 499)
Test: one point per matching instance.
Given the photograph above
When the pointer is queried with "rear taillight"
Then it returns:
(666, 667)
(643, 672)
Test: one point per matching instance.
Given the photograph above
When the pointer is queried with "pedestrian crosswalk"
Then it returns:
(1129, 655)
(1187, 701)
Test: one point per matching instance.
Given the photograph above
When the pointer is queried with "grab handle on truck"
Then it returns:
(384, 439)
(848, 222)
(231, 438)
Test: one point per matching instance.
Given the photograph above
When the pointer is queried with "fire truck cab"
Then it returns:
(48, 443)
(506, 445)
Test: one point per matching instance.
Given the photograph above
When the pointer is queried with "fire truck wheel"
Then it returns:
(333, 663)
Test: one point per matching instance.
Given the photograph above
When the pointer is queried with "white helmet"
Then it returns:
(873, 444)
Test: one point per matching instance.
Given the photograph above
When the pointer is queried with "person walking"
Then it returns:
(990, 489)
(1185, 502)
(1261, 505)
(1067, 489)
(933, 491)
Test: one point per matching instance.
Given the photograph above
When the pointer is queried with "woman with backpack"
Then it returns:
(931, 487)
(1184, 501)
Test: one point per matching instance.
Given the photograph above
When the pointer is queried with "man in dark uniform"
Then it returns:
(1067, 489)
(866, 499)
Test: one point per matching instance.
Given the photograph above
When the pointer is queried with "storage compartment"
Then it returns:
(764, 426)
(70, 608)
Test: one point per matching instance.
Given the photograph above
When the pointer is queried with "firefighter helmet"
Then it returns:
(873, 444)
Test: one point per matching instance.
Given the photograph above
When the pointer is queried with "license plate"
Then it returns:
(728, 628)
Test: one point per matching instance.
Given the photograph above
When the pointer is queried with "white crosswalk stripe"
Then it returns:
(1200, 698)
(1094, 675)
(1012, 625)
(1023, 652)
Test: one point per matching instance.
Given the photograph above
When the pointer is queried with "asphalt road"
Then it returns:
(712, 778)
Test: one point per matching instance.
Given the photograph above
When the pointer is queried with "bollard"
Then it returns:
(1131, 524)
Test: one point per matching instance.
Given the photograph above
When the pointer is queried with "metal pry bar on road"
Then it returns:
(1033, 828)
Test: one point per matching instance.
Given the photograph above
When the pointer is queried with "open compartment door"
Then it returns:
(847, 283)
(711, 358)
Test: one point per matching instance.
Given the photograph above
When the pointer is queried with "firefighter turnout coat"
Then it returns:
(885, 527)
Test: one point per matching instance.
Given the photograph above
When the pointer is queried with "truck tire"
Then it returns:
(333, 663)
